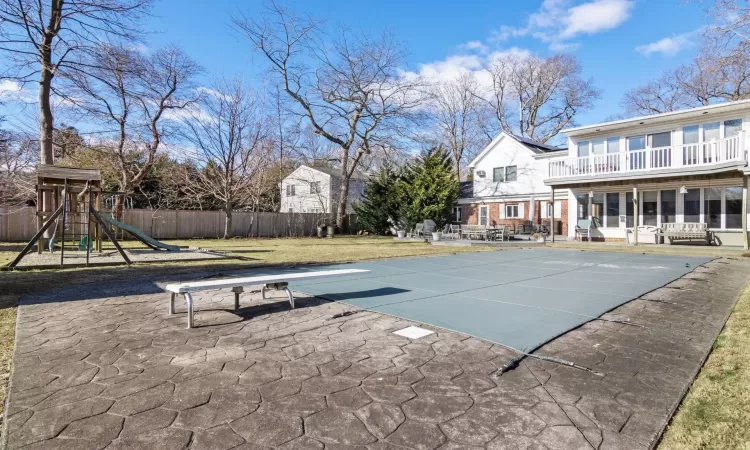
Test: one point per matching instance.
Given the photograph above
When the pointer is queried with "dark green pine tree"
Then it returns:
(378, 210)
(429, 189)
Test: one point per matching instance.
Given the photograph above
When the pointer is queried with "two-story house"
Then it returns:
(688, 166)
(508, 185)
(315, 189)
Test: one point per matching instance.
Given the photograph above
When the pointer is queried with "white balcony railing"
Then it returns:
(687, 155)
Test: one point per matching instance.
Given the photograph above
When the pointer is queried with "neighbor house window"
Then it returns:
(457, 213)
(291, 210)
(511, 211)
(650, 207)
(597, 208)
(668, 206)
(613, 210)
(692, 202)
(315, 187)
(629, 208)
(733, 203)
(712, 207)
(583, 206)
(502, 174)
(583, 148)
(498, 174)
(290, 190)
(732, 128)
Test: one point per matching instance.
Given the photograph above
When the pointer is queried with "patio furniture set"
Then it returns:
(673, 232)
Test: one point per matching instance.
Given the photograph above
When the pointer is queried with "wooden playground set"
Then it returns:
(69, 203)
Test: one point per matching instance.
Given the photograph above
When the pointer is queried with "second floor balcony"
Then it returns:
(729, 151)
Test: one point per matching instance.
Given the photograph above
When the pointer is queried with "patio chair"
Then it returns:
(583, 227)
(419, 229)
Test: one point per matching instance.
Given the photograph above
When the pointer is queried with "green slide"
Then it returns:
(140, 235)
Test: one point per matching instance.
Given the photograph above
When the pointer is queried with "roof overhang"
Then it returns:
(655, 119)
(650, 174)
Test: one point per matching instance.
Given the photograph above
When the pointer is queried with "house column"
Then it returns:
(552, 216)
(636, 218)
(744, 212)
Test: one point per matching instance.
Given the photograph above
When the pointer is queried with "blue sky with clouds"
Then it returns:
(620, 43)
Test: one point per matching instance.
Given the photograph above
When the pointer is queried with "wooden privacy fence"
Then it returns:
(18, 224)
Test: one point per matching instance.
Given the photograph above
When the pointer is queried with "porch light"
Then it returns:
(683, 190)
(591, 194)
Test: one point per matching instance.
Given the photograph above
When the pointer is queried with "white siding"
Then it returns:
(304, 200)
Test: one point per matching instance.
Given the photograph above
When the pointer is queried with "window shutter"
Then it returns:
(502, 210)
(520, 211)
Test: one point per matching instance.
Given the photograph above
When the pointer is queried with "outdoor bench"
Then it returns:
(277, 282)
(686, 231)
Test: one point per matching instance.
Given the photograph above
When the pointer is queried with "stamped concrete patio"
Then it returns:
(104, 366)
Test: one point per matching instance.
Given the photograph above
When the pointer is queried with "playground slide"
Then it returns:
(140, 235)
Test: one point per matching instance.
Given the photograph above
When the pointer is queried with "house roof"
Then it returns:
(466, 189)
(700, 111)
(534, 147)
(336, 173)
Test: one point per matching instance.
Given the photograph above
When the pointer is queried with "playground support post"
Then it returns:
(36, 237)
(109, 235)
(88, 231)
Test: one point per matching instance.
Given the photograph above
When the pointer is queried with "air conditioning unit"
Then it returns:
(481, 173)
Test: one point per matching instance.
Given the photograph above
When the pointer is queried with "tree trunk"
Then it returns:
(458, 169)
(343, 198)
(118, 209)
(45, 118)
(228, 220)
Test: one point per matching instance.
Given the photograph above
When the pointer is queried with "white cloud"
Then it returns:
(668, 46)
(10, 89)
(475, 46)
(557, 22)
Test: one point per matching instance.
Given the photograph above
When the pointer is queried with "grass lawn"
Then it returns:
(14, 285)
(716, 412)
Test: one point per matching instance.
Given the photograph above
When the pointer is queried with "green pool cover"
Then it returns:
(520, 298)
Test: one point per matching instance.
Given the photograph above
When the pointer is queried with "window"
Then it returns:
(732, 128)
(583, 148)
(483, 213)
(503, 174)
(733, 204)
(511, 211)
(629, 207)
(457, 214)
(583, 206)
(613, 145)
(546, 210)
(291, 210)
(712, 207)
(711, 131)
(690, 134)
(692, 202)
(597, 208)
(658, 140)
(650, 207)
(315, 187)
(290, 190)
(668, 206)
(599, 147)
(637, 160)
(613, 210)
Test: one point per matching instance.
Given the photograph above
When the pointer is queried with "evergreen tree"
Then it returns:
(428, 189)
(378, 210)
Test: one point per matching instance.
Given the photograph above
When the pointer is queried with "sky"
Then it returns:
(621, 44)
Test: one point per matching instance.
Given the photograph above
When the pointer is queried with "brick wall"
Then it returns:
(470, 214)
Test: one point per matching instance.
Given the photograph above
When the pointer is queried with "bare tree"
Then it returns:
(535, 97)
(350, 91)
(456, 116)
(720, 72)
(132, 95)
(18, 159)
(227, 131)
(44, 38)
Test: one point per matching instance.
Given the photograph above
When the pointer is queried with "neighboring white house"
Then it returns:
(508, 184)
(688, 166)
(315, 189)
